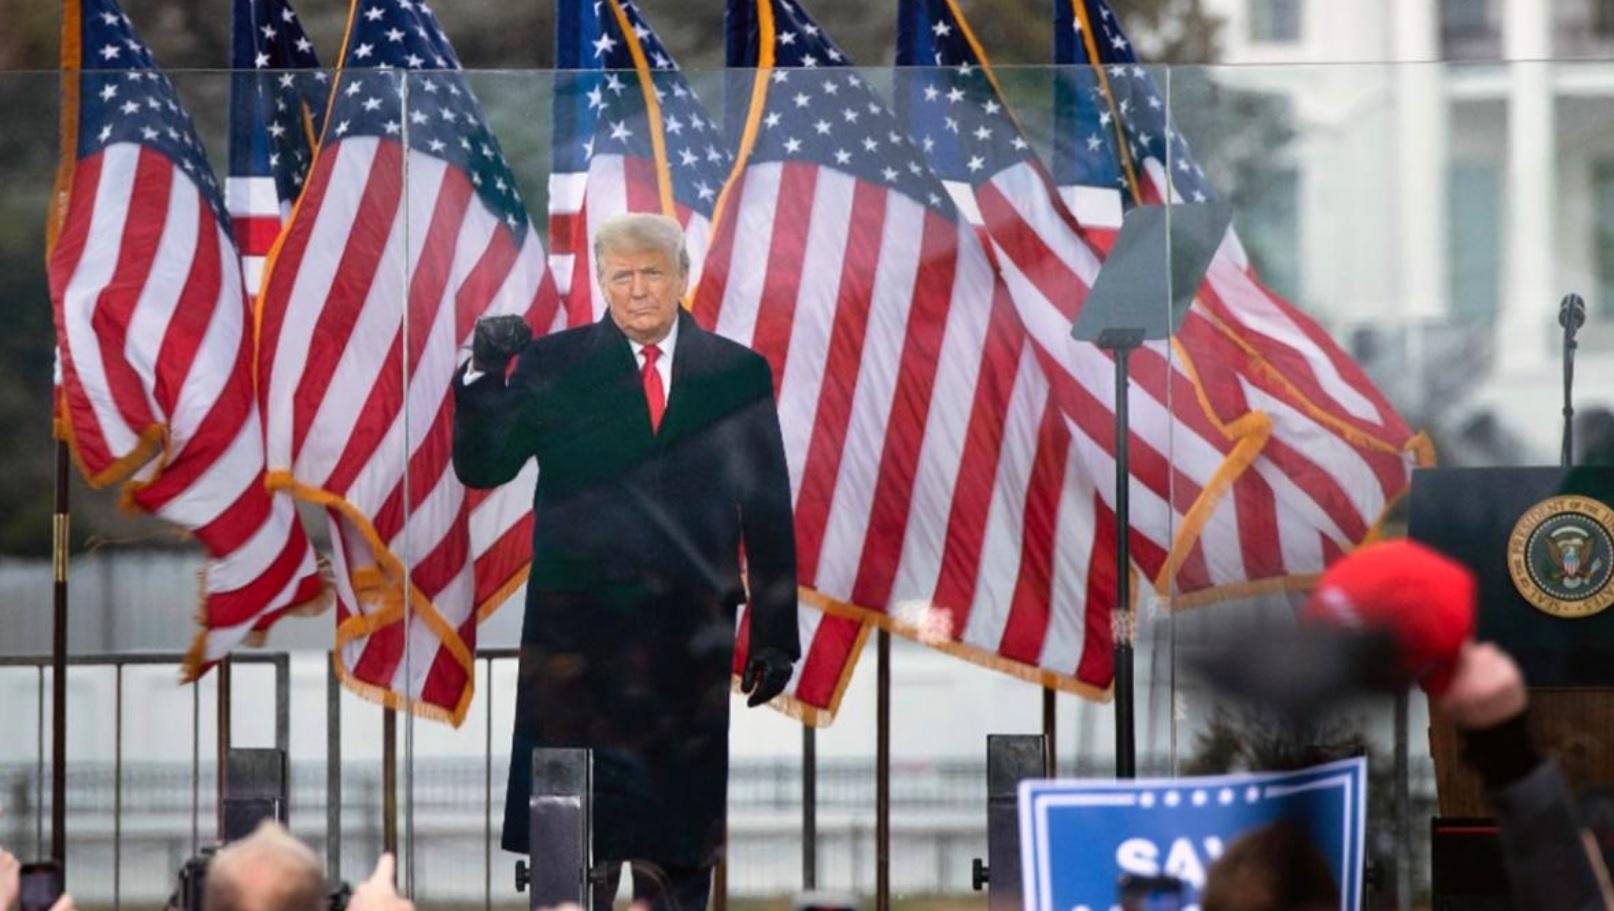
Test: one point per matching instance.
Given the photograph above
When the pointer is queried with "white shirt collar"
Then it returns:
(665, 345)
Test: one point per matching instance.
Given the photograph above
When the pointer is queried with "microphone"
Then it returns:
(1572, 312)
(1571, 316)
(1424, 601)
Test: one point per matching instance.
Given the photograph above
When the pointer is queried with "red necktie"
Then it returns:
(653, 391)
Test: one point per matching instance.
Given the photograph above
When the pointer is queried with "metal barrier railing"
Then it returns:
(760, 789)
(939, 802)
(280, 661)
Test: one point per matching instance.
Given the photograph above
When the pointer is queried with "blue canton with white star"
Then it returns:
(278, 94)
(820, 111)
(1085, 150)
(123, 98)
(600, 105)
(401, 81)
(947, 99)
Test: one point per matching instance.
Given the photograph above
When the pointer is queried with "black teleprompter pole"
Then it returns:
(1126, 738)
(1131, 300)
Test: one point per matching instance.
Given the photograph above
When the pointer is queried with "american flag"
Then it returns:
(631, 135)
(277, 109)
(153, 332)
(611, 155)
(1338, 456)
(1190, 466)
(927, 468)
(410, 228)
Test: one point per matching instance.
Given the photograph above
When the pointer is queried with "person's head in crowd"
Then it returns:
(268, 870)
(1274, 868)
(1422, 600)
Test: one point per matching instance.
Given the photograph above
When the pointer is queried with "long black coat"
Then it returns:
(628, 638)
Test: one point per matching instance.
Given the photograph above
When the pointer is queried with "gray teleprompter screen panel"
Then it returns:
(1158, 256)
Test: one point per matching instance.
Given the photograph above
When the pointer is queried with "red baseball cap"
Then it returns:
(1423, 599)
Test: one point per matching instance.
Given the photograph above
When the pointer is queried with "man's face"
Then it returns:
(643, 288)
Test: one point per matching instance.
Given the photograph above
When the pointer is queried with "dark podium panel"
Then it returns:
(1471, 514)
(1467, 872)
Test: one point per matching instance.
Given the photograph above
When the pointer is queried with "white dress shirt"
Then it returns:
(663, 363)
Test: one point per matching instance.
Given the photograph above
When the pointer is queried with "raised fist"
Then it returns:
(496, 340)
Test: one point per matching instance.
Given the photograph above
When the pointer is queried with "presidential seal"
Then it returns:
(1561, 556)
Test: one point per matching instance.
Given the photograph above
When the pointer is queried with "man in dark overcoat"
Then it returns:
(659, 459)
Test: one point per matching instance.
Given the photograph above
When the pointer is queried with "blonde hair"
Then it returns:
(268, 870)
(640, 231)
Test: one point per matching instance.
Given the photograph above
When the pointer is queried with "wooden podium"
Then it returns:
(1541, 542)
(1573, 725)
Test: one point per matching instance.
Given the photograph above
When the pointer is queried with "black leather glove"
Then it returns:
(496, 340)
(766, 675)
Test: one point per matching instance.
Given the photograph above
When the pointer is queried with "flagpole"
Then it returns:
(58, 663)
(1050, 731)
(882, 773)
(389, 781)
(223, 699)
(333, 771)
(809, 807)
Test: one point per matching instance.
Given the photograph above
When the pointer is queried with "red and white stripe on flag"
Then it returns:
(360, 407)
(936, 490)
(410, 228)
(1202, 519)
(1335, 456)
(154, 342)
(660, 176)
(1232, 495)
(256, 215)
(578, 204)
(580, 201)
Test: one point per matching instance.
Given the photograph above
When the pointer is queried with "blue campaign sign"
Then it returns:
(1078, 837)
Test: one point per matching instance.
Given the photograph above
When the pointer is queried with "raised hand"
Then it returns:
(496, 340)
(378, 893)
(1486, 690)
(10, 879)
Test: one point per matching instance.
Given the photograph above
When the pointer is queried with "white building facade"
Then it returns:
(1451, 177)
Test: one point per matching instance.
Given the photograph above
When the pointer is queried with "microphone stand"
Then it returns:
(1571, 316)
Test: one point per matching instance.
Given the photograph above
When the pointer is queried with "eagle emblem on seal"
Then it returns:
(1561, 556)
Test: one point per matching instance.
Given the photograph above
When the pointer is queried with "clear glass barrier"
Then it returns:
(1402, 236)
